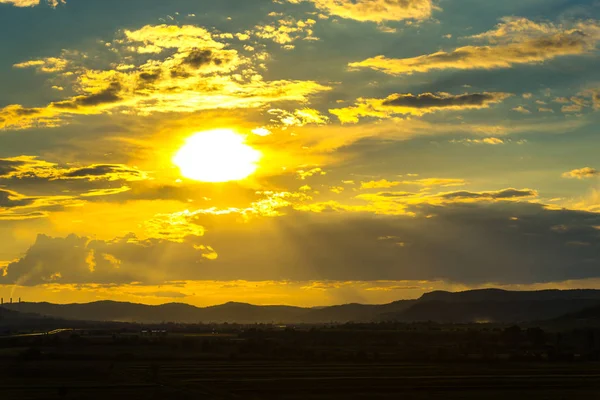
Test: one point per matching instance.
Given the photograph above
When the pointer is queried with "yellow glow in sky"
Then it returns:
(219, 155)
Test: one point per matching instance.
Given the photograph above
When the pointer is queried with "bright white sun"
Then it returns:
(219, 155)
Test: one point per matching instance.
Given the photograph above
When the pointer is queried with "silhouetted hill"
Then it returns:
(354, 312)
(491, 311)
(14, 320)
(496, 305)
(586, 318)
(585, 314)
(172, 312)
(248, 313)
(228, 312)
(506, 295)
(8, 315)
(492, 305)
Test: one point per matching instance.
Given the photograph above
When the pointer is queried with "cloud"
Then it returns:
(307, 173)
(582, 173)
(585, 99)
(321, 142)
(162, 294)
(46, 65)
(514, 41)
(32, 3)
(107, 95)
(301, 117)
(521, 109)
(110, 172)
(16, 116)
(52, 187)
(375, 10)
(381, 184)
(443, 100)
(16, 206)
(30, 167)
(499, 195)
(489, 140)
(409, 104)
(170, 69)
(406, 203)
(9, 199)
(481, 242)
(75, 259)
(429, 182)
(106, 192)
(596, 98)
(286, 31)
(175, 227)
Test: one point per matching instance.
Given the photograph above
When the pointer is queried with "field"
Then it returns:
(344, 362)
(80, 379)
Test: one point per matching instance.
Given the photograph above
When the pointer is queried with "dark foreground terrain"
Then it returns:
(350, 361)
(179, 379)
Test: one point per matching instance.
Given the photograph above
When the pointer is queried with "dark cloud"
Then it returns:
(75, 259)
(495, 242)
(395, 194)
(102, 170)
(198, 58)
(499, 195)
(431, 100)
(28, 168)
(24, 112)
(150, 76)
(106, 96)
(9, 199)
(8, 166)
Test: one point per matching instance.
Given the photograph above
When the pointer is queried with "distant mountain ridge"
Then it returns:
(485, 305)
(507, 295)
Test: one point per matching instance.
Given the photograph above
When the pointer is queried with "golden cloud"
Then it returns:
(582, 173)
(429, 182)
(513, 41)
(418, 105)
(287, 31)
(375, 10)
(15, 206)
(32, 3)
(193, 72)
(30, 167)
(47, 65)
(403, 203)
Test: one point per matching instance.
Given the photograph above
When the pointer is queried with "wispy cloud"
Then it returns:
(374, 10)
(514, 41)
(582, 173)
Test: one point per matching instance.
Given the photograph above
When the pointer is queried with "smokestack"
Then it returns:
(19, 300)
(11, 300)
(2, 301)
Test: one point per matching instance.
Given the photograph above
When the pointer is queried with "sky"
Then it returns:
(301, 152)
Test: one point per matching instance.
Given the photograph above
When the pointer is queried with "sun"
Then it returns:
(219, 155)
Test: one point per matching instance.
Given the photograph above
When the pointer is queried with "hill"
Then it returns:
(487, 305)
(507, 295)
(490, 311)
(496, 305)
(171, 312)
(228, 312)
